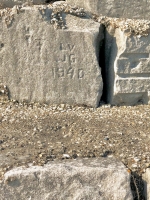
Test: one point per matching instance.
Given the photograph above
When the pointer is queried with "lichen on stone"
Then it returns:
(7, 14)
(138, 27)
(59, 8)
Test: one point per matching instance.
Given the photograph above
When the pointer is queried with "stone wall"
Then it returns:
(55, 54)
(60, 54)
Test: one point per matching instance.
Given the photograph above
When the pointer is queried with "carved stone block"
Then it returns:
(127, 68)
(39, 63)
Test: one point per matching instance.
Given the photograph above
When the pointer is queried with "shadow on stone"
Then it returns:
(137, 187)
(14, 183)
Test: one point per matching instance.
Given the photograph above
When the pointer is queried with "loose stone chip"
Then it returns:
(3, 93)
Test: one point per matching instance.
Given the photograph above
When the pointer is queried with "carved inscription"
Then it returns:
(67, 47)
(80, 73)
(67, 54)
(39, 44)
(61, 72)
(67, 58)
(27, 35)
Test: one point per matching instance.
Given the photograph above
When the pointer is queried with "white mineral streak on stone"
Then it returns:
(127, 67)
(41, 64)
(146, 178)
(116, 8)
(95, 179)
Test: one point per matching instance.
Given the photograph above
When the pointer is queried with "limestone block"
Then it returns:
(96, 179)
(127, 68)
(11, 3)
(116, 8)
(146, 178)
(39, 63)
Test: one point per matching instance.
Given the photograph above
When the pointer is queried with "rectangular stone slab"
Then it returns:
(127, 67)
(90, 179)
(116, 8)
(39, 63)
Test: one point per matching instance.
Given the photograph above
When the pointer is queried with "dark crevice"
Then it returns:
(107, 56)
(103, 68)
(137, 186)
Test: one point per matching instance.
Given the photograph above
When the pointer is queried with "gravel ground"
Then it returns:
(37, 134)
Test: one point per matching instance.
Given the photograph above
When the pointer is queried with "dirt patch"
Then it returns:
(39, 134)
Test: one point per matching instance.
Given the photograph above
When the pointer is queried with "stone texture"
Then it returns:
(96, 179)
(127, 71)
(11, 3)
(116, 8)
(146, 178)
(39, 63)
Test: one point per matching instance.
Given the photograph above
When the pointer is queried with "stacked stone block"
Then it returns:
(40, 63)
(127, 68)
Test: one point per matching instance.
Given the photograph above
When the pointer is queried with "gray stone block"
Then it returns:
(146, 178)
(11, 3)
(39, 63)
(96, 179)
(127, 68)
(116, 8)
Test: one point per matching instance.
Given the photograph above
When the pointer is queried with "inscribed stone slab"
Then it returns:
(41, 64)
(90, 179)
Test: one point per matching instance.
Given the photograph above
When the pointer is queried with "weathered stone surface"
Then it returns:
(96, 179)
(116, 8)
(11, 3)
(127, 68)
(146, 178)
(39, 63)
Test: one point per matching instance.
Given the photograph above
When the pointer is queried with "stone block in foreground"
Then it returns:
(39, 63)
(127, 68)
(118, 8)
(95, 179)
